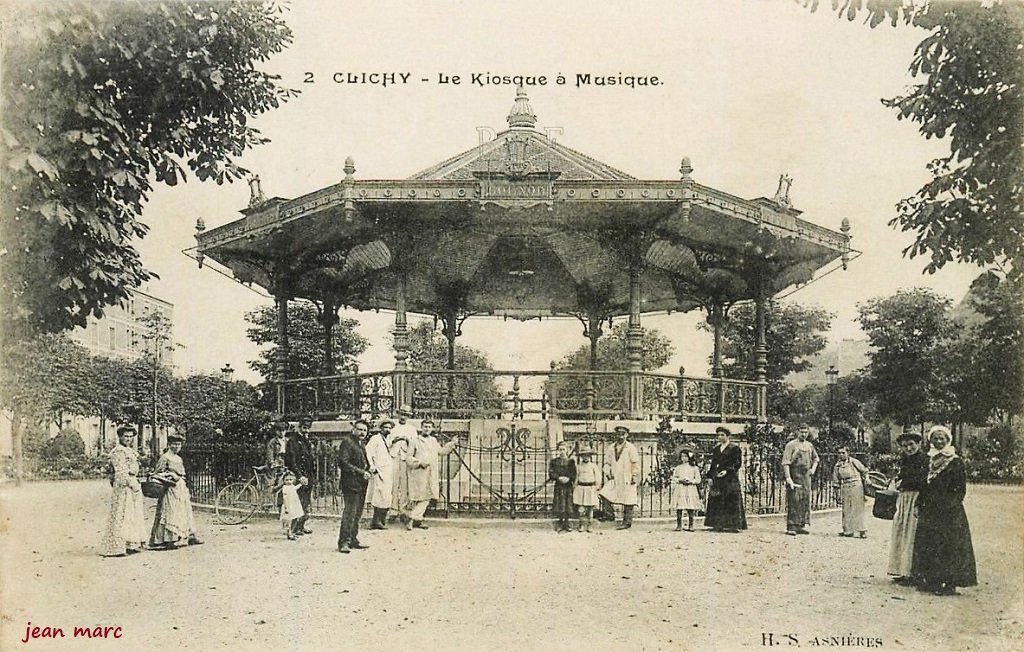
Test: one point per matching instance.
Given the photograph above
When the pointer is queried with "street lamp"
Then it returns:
(832, 376)
(226, 373)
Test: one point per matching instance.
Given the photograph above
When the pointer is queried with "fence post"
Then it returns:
(721, 399)
(681, 393)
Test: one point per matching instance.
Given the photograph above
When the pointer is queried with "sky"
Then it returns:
(750, 90)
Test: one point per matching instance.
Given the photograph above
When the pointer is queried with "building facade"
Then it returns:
(121, 331)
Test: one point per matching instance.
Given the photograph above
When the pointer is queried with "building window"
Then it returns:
(113, 338)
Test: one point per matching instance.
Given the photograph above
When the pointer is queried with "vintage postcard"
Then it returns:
(517, 326)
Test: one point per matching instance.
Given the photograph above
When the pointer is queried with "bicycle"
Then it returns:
(237, 502)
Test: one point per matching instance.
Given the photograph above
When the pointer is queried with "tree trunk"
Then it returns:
(17, 446)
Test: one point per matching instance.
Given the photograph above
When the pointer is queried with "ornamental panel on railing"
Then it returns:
(569, 395)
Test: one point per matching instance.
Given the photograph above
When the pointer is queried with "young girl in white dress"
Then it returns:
(291, 506)
(584, 494)
(685, 479)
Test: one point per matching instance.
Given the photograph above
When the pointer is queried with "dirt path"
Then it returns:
(497, 586)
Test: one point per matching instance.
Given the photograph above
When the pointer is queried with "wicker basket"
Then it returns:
(885, 504)
(876, 481)
(153, 489)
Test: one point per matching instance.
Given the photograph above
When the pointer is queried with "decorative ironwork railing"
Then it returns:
(508, 475)
(569, 395)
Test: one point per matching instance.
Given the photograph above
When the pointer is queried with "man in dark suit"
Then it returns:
(354, 469)
(299, 458)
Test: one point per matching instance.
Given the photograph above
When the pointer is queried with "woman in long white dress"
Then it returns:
(126, 523)
(174, 525)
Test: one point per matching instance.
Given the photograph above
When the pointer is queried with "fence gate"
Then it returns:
(503, 470)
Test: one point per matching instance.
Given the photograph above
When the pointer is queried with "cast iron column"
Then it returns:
(401, 386)
(634, 347)
(329, 319)
(281, 362)
(761, 354)
(717, 320)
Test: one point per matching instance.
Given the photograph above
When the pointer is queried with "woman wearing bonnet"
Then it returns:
(943, 553)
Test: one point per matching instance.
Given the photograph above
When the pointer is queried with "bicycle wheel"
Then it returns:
(236, 503)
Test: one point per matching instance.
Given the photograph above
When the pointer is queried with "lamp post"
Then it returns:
(226, 373)
(832, 376)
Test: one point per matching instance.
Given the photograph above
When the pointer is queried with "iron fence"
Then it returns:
(566, 394)
(508, 477)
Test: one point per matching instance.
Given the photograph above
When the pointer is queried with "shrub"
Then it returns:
(996, 456)
(67, 444)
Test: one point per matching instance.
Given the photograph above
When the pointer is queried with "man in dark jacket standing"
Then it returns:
(298, 457)
(354, 469)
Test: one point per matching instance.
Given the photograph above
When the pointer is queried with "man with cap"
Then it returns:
(622, 473)
(300, 460)
(379, 456)
(912, 478)
(354, 470)
(424, 479)
(399, 439)
(799, 462)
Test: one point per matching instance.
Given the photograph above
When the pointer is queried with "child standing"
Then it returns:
(562, 471)
(291, 506)
(588, 476)
(685, 479)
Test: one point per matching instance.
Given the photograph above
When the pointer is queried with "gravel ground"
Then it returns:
(495, 585)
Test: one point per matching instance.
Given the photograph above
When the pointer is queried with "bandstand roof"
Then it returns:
(522, 226)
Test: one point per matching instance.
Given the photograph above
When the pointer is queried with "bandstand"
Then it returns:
(523, 227)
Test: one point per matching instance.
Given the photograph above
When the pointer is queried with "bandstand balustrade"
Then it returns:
(563, 394)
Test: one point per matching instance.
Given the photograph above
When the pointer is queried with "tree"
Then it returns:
(46, 377)
(910, 333)
(208, 404)
(428, 351)
(973, 91)
(997, 387)
(100, 100)
(793, 335)
(612, 355)
(43, 378)
(305, 341)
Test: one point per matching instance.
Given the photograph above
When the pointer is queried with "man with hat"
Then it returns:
(300, 460)
(424, 480)
(912, 478)
(399, 440)
(379, 456)
(622, 473)
(354, 469)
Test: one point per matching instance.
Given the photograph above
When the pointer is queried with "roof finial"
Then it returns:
(685, 168)
(521, 115)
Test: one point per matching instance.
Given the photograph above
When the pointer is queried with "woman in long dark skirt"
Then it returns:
(943, 553)
(725, 499)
